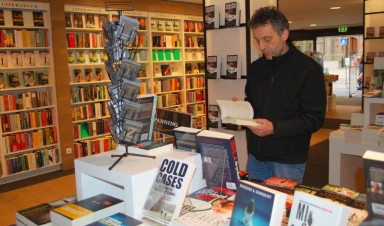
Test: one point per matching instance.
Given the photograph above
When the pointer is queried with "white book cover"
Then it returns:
(233, 67)
(232, 14)
(165, 199)
(3, 59)
(308, 209)
(212, 17)
(213, 67)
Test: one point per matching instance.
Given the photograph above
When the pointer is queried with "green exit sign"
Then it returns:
(343, 28)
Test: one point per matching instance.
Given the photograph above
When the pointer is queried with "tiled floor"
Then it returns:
(54, 189)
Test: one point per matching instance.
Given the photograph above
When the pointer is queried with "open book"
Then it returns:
(236, 112)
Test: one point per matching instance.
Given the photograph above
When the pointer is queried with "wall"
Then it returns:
(60, 56)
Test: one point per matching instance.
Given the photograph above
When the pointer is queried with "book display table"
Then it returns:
(130, 179)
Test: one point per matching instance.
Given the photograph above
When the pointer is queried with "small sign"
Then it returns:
(343, 41)
(343, 28)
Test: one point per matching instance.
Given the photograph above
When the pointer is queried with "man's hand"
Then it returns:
(264, 129)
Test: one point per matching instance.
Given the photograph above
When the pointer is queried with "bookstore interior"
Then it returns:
(143, 111)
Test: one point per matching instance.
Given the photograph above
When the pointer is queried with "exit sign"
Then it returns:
(343, 28)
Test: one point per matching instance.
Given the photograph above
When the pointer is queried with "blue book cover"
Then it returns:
(117, 219)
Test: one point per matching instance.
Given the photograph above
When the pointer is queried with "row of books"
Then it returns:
(193, 41)
(196, 109)
(370, 135)
(165, 54)
(27, 120)
(30, 139)
(89, 93)
(84, 75)
(193, 26)
(370, 32)
(167, 85)
(86, 57)
(20, 17)
(165, 25)
(195, 96)
(25, 58)
(169, 100)
(23, 101)
(194, 82)
(232, 67)
(231, 14)
(93, 146)
(90, 111)
(86, 129)
(16, 79)
(166, 41)
(24, 38)
(194, 68)
(87, 20)
(84, 40)
(194, 54)
(33, 160)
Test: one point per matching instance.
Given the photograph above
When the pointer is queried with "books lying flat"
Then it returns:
(236, 112)
(150, 148)
(117, 219)
(87, 210)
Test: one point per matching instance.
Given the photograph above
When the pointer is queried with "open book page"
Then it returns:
(236, 112)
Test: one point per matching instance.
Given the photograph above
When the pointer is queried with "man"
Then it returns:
(287, 92)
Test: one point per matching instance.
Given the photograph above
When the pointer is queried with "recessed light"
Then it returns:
(289, 22)
(313, 25)
(335, 7)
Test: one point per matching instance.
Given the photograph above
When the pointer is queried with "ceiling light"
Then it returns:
(289, 22)
(335, 7)
(313, 25)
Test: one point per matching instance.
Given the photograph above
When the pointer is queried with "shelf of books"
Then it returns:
(373, 43)
(88, 79)
(29, 129)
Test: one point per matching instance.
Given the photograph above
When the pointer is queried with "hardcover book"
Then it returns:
(40, 214)
(219, 156)
(373, 163)
(233, 67)
(147, 115)
(212, 17)
(42, 77)
(257, 205)
(236, 112)
(14, 80)
(29, 58)
(89, 21)
(38, 18)
(87, 210)
(185, 138)
(16, 59)
(232, 17)
(117, 219)
(309, 209)
(214, 119)
(44, 57)
(213, 67)
(3, 59)
(281, 184)
(17, 18)
(29, 78)
(78, 20)
(165, 198)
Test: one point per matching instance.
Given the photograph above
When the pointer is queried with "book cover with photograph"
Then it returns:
(165, 198)
(68, 20)
(2, 21)
(16, 59)
(71, 56)
(88, 74)
(142, 23)
(80, 57)
(90, 21)
(99, 75)
(117, 219)
(94, 57)
(29, 78)
(233, 67)
(212, 17)
(103, 56)
(29, 58)
(17, 18)
(44, 57)
(78, 75)
(231, 17)
(214, 120)
(14, 80)
(38, 18)
(42, 77)
(213, 67)
(3, 59)
(78, 20)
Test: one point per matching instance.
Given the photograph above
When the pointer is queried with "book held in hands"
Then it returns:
(236, 112)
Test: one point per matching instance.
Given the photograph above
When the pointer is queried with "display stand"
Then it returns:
(120, 156)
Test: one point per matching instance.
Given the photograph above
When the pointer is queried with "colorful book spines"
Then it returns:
(89, 93)
(90, 147)
(90, 111)
(86, 129)
(84, 40)
(13, 102)
(26, 120)
(24, 38)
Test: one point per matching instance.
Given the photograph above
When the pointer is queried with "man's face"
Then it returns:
(269, 41)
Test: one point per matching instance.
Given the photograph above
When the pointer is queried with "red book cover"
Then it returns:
(44, 118)
(106, 145)
(96, 148)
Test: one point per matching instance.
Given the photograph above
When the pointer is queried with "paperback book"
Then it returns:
(78, 20)
(17, 18)
(42, 77)
(3, 59)
(214, 119)
(2, 21)
(44, 57)
(14, 80)
(185, 138)
(232, 14)
(16, 59)
(212, 17)
(38, 18)
(233, 67)
(94, 57)
(213, 67)
(68, 20)
(153, 148)
(90, 21)
(117, 219)
(29, 78)
(29, 58)
(3, 85)
(165, 198)
(236, 112)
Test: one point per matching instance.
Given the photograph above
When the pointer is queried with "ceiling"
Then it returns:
(302, 13)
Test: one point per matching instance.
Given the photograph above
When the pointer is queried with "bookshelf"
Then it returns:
(373, 39)
(88, 79)
(29, 128)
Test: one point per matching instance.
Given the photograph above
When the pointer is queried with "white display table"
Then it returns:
(129, 180)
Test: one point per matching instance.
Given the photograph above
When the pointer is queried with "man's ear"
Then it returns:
(285, 34)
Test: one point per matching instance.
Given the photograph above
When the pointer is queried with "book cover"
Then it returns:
(42, 77)
(14, 80)
(150, 148)
(185, 138)
(142, 23)
(212, 16)
(257, 205)
(68, 20)
(214, 116)
(40, 214)
(307, 189)
(166, 120)
(236, 112)
(17, 18)
(99, 74)
(2, 21)
(29, 58)
(117, 219)
(381, 32)
(281, 184)
(213, 67)
(71, 56)
(78, 20)
(147, 115)
(3, 85)
(29, 78)
(80, 57)
(219, 156)
(165, 69)
(78, 75)
(231, 17)
(16, 59)
(89, 74)
(90, 21)
(94, 57)
(3, 59)
(44, 57)
(165, 198)
(309, 209)
(233, 67)
(370, 32)
(87, 210)
(203, 197)
(103, 56)
(38, 18)
(176, 26)
(373, 164)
